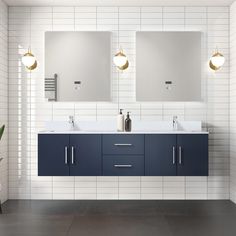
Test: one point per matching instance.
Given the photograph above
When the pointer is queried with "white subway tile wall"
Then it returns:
(233, 102)
(4, 100)
(28, 110)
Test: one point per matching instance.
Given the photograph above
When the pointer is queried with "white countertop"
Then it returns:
(116, 132)
(109, 127)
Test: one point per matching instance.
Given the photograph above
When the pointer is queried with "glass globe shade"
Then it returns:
(218, 59)
(120, 59)
(28, 59)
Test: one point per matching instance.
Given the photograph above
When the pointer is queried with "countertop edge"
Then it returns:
(113, 132)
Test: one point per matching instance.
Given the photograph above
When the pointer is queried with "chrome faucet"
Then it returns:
(175, 122)
(72, 121)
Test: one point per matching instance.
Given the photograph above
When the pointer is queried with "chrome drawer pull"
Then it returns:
(180, 155)
(72, 155)
(66, 155)
(122, 166)
(123, 144)
(173, 156)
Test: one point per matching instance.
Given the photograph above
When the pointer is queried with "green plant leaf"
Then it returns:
(2, 131)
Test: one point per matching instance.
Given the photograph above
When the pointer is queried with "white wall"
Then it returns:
(28, 111)
(4, 100)
(233, 102)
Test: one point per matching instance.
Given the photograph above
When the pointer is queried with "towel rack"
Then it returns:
(50, 88)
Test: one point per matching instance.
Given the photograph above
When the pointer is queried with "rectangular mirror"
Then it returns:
(168, 66)
(78, 66)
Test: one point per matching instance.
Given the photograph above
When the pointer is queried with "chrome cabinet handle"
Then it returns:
(123, 144)
(173, 157)
(180, 155)
(122, 166)
(66, 155)
(72, 155)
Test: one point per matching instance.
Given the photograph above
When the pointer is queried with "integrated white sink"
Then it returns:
(110, 127)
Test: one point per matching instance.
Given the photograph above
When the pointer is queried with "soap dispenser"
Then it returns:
(120, 121)
(128, 123)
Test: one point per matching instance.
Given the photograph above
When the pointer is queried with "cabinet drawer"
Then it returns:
(123, 144)
(123, 165)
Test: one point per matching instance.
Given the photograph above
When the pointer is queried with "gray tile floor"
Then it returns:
(113, 218)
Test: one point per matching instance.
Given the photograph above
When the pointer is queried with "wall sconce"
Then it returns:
(29, 60)
(217, 61)
(120, 60)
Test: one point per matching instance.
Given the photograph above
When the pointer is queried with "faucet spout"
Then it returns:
(72, 121)
(175, 122)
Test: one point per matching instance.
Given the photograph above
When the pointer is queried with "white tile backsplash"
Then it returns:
(25, 93)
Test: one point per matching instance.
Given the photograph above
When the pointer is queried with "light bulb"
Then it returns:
(217, 60)
(120, 59)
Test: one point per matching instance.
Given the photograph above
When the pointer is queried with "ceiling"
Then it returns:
(118, 2)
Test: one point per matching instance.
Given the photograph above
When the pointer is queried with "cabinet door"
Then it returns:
(53, 155)
(85, 155)
(160, 155)
(192, 155)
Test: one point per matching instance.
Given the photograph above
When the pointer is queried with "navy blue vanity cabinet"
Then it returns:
(192, 152)
(181, 155)
(160, 155)
(85, 155)
(53, 155)
(123, 154)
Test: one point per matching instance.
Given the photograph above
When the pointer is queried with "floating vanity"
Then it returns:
(109, 153)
